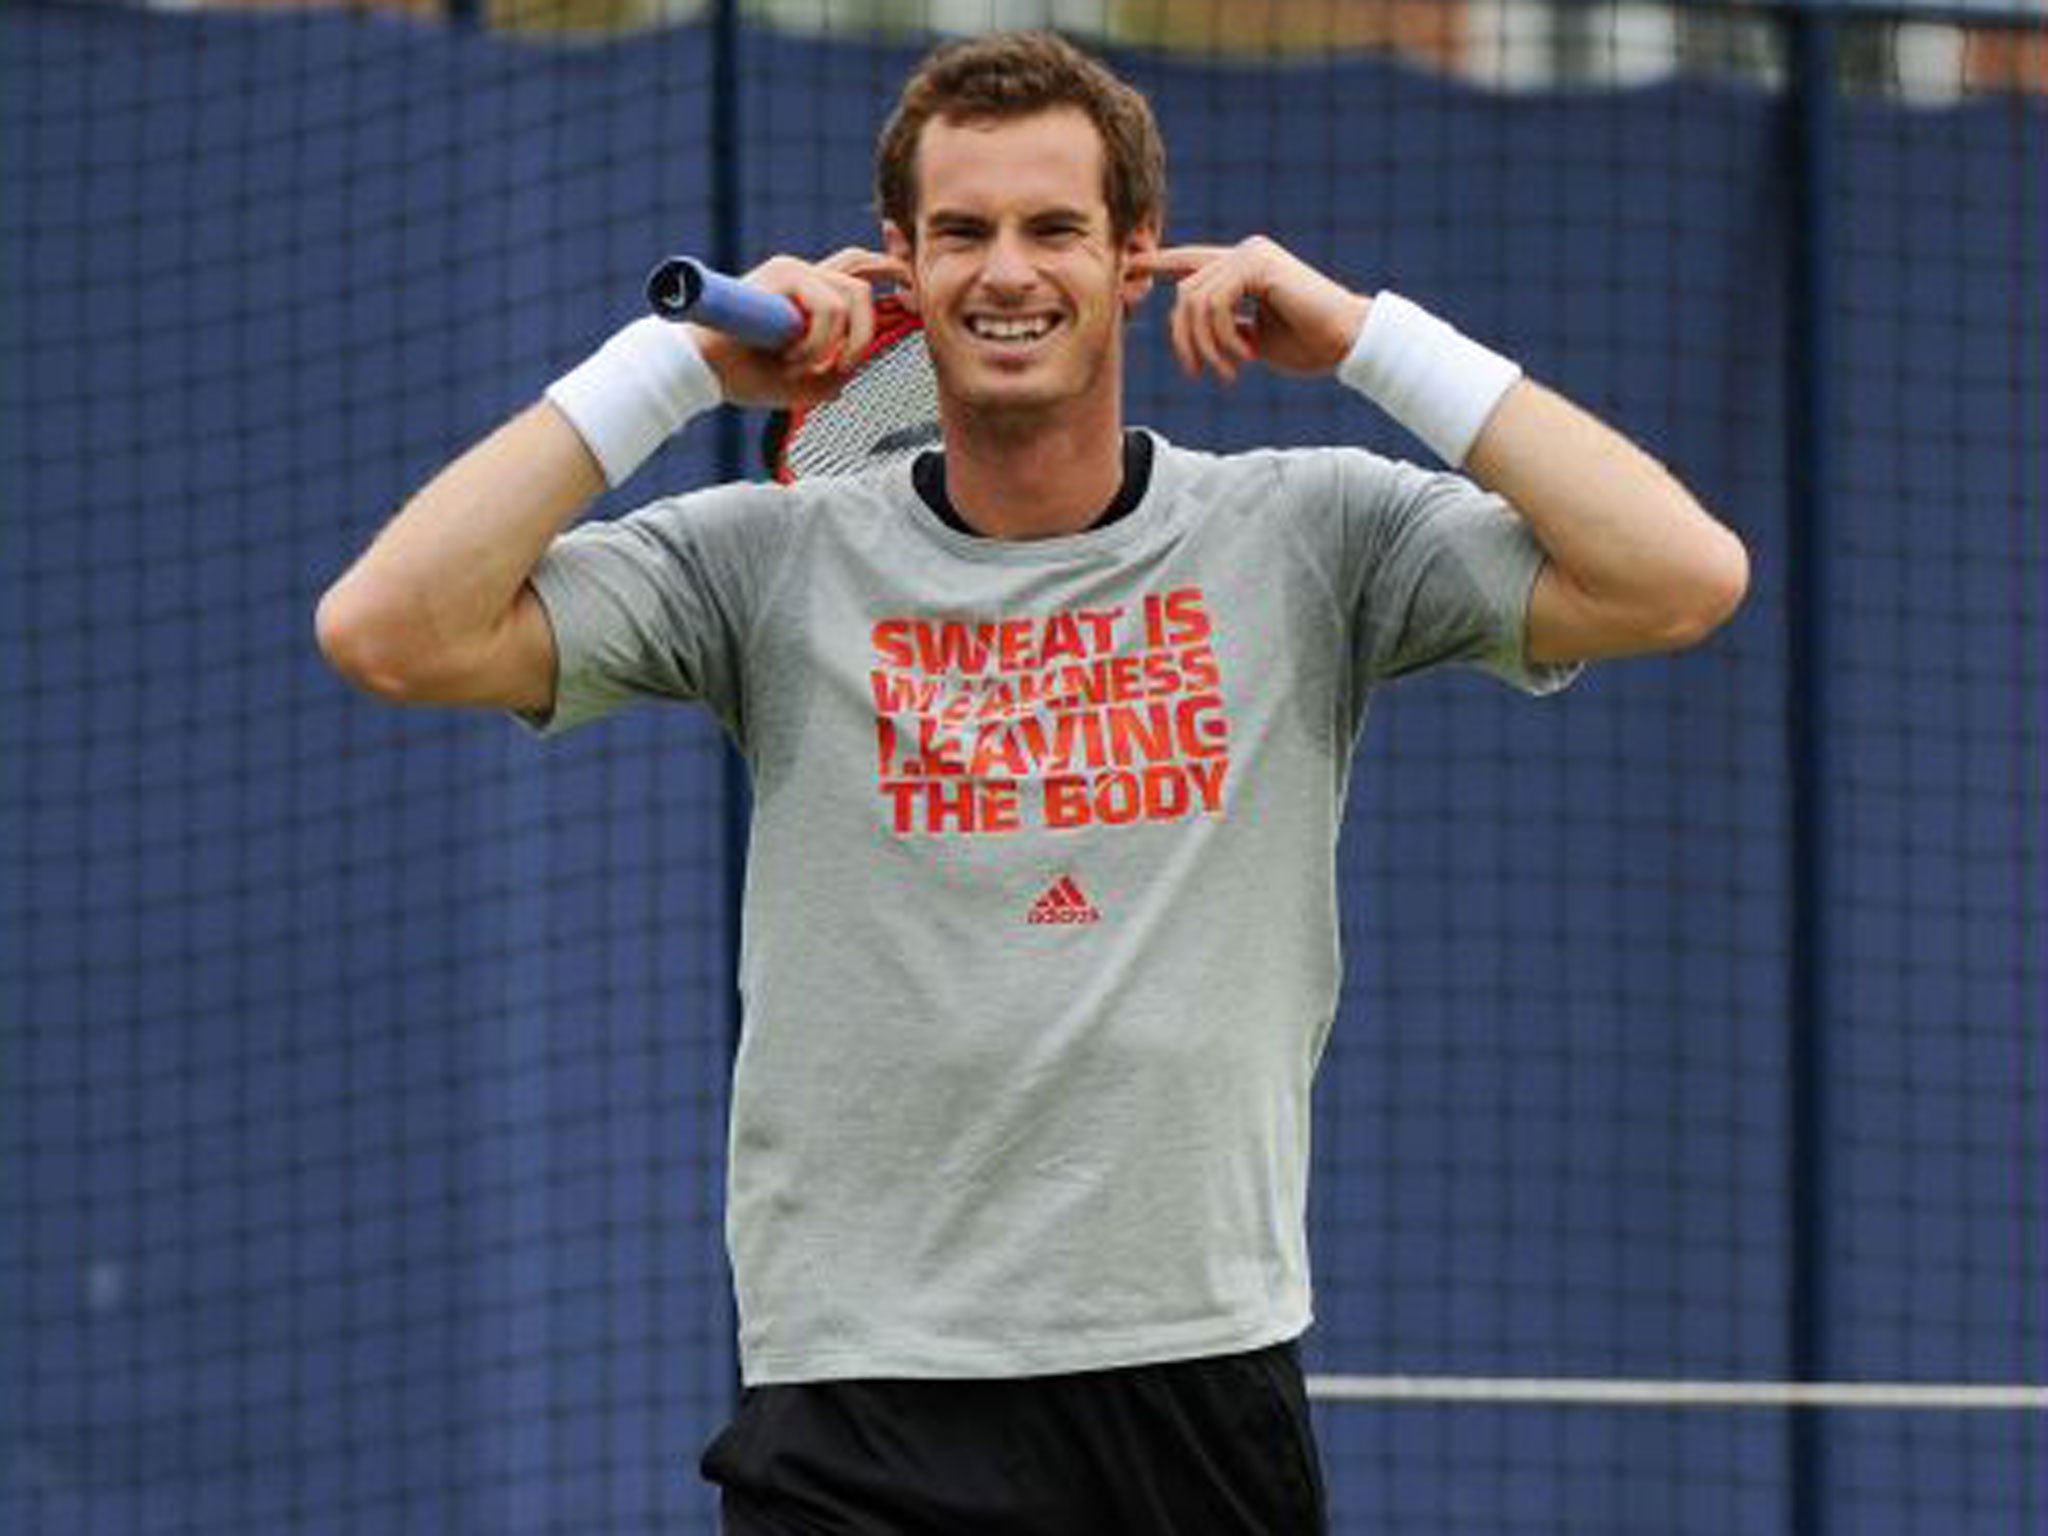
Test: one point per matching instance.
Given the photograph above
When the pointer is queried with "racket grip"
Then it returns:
(683, 288)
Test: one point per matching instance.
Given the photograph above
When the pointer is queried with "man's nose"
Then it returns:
(1009, 262)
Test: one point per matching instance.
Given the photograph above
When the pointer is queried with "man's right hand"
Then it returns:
(837, 297)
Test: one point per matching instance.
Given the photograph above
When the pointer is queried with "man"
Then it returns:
(1049, 734)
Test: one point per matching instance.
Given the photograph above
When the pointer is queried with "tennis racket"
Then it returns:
(888, 409)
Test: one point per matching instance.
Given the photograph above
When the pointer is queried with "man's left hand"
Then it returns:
(1254, 302)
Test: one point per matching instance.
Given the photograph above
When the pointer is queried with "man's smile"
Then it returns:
(1012, 332)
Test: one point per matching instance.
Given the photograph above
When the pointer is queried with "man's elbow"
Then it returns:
(1713, 589)
(365, 646)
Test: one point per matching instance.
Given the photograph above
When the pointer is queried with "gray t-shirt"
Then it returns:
(1040, 932)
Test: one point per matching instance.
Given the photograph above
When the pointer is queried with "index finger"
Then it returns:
(873, 266)
(1177, 261)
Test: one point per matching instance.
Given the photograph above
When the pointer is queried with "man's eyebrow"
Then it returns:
(1058, 212)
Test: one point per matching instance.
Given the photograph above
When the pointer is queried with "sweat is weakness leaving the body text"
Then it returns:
(1068, 719)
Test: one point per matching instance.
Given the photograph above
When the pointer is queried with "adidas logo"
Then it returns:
(1064, 902)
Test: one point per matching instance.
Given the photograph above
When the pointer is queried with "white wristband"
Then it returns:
(633, 393)
(1425, 373)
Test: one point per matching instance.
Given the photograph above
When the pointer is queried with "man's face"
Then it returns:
(1018, 278)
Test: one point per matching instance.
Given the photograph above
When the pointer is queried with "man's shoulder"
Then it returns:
(770, 496)
(765, 508)
(1308, 472)
(1266, 458)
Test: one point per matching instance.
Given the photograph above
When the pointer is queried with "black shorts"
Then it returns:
(1214, 1447)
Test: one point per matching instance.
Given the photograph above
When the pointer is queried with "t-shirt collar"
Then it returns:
(928, 476)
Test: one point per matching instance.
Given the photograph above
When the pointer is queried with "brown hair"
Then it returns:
(1017, 74)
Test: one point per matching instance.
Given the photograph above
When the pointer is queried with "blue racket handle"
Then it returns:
(683, 288)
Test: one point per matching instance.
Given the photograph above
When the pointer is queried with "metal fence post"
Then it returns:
(1814, 37)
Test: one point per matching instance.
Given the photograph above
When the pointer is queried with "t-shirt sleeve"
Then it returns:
(1436, 570)
(660, 604)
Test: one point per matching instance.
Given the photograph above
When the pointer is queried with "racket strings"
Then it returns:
(888, 411)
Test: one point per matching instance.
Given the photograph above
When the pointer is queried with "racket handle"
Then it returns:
(683, 288)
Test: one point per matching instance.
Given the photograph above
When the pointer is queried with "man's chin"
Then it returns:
(1022, 392)
(987, 394)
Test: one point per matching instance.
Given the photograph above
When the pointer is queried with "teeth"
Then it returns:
(995, 328)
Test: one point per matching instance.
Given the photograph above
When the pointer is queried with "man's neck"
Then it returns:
(1008, 481)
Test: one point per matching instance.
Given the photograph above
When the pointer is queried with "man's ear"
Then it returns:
(1137, 286)
(897, 244)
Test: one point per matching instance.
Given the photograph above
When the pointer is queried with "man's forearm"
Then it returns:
(1615, 524)
(1634, 563)
(444, 573)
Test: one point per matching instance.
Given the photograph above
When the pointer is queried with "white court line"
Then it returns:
(1640, 1393)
